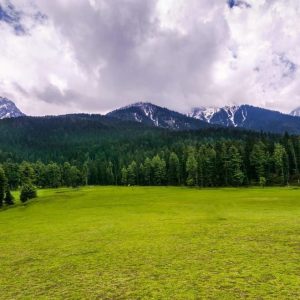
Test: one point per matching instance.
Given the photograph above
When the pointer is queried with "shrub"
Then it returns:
(28, 191)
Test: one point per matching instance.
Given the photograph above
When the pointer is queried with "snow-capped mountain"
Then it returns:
(203, 113)
(296, 112)
(249, 117)
(8, 109)
(226, 116)
(243, 116)
(153, 115)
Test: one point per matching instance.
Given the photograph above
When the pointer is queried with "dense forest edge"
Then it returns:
(60, 152)
(77, 150)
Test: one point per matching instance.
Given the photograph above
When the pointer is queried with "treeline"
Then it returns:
(192, 162)
(219, 165)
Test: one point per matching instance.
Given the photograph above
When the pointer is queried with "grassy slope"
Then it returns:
(160, 243)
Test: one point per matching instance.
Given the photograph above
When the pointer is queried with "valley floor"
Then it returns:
(152, 243)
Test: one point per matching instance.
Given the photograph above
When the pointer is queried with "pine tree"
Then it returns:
(159, 170)
(201, 166)
(191, 169)
(236, 175)
(75, 177)
(132, 173)
(26, 173)
(124, 176)
(85, 173)
(53, 175)
(259, 159)
(293, 164)
(278, 159)
(174, 169)
(40, 171)
(66, 174)
(209, 166)
(286, 169)
(222, 164)
(109, 173)
(3, 185)
(141, 175)
(148, 171)
(12, 173)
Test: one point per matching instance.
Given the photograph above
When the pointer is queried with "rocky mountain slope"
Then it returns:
(8, 109)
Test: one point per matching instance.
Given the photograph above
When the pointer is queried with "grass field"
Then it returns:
(152, 243)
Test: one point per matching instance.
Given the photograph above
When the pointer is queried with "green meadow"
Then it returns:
(152, 243)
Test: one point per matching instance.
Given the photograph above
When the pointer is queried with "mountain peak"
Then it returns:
(8, 109)
(203, 113)
(154, 115)
(141, 105)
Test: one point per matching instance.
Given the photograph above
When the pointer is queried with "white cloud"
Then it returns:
(96, 55)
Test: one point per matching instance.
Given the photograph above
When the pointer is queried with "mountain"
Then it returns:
(243, 116)
(248, 117)
(225, 116)
(153, 115)
(145, 115)
(8, 109)
(296, 112)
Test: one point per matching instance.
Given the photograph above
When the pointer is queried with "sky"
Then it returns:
(65, 56)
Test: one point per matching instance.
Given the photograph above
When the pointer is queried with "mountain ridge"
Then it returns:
(238, 116)
(249, 117)
(147, 114)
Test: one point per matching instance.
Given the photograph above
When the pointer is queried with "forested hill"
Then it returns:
(77, 136)
(60, 137)
(94, 149)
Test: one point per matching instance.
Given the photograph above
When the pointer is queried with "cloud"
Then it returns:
(94, 56)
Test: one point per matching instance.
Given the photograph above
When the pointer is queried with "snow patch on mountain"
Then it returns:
(231, 111)
(147, 109)
(203, 113)
(229, 116)
(8, 109)
(296, 112)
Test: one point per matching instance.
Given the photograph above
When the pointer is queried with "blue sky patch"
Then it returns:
(238, 3)
(11, 16)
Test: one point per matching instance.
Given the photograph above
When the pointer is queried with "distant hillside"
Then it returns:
(69, 137)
